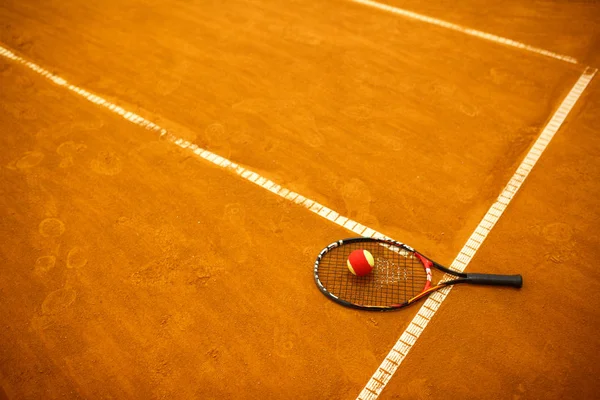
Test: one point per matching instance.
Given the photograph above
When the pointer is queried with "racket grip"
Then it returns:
(497, 280)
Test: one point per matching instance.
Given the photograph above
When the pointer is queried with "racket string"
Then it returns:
(397, 275)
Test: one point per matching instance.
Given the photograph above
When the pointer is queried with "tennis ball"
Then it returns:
(360, 262)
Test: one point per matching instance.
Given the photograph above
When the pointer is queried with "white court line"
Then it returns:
(222, 162)
(465, 30)
(398, 353)
(393, 360)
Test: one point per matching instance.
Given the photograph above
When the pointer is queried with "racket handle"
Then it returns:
(497, 280)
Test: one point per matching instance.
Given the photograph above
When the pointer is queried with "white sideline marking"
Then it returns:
(465, 30)
(379, 380)
(395, 357)
(215, 159)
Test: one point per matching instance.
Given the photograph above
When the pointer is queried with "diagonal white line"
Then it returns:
(209, 156)
(377, 383)
(465, 30)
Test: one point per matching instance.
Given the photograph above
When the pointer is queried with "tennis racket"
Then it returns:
(400, 275)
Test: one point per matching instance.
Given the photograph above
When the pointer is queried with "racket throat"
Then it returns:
(427, 264)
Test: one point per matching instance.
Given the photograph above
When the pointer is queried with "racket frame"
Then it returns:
(461, 277)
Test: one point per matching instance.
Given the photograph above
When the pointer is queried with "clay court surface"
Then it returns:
(133, 269)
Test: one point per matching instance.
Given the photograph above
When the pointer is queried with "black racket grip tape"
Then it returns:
(497, 280)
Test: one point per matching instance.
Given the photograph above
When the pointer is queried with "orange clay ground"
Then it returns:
(131, 269)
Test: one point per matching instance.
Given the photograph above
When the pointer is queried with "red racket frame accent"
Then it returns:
(427, 264)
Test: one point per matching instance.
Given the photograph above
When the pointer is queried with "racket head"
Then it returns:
(399, 274)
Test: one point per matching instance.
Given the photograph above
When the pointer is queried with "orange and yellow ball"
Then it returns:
(360, 262)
